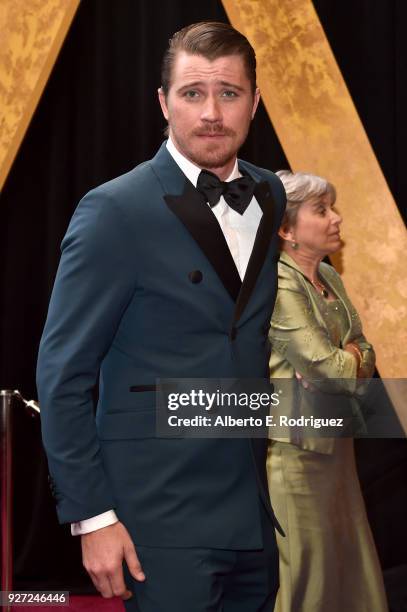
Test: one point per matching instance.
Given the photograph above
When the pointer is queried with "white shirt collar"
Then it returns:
(190, 170)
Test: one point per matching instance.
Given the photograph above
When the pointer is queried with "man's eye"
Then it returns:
(229, 94)
(191, 94)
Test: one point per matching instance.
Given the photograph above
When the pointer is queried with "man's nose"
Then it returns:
(211, 109)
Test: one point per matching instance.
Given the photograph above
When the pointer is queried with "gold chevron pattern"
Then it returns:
(320, 131)
(32, 33)
(313, 115)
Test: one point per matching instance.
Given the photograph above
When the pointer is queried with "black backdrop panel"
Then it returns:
(98, 118)
(369, 42)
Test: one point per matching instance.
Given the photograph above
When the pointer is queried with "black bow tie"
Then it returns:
(237, 193)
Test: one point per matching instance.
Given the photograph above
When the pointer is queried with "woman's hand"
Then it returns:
(307, 385)
(354, 349)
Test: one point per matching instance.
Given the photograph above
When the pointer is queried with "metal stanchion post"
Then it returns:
(6, 399)
(6, 483)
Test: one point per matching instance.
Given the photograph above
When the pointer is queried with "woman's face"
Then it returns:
(317, 227)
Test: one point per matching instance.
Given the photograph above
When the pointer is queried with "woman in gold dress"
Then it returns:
(328, 560)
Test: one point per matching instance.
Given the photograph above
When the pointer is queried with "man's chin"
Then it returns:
(213, 159)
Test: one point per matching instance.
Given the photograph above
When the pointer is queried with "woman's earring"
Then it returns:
(294, 245)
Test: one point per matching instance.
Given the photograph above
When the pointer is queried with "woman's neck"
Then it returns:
(308, 262)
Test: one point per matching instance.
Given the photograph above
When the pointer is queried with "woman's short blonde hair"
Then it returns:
(301, 187)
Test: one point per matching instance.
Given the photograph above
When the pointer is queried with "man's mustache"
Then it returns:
(214, 131)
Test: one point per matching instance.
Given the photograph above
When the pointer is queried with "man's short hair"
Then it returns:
(211, 39)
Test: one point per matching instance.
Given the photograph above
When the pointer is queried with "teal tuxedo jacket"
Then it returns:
(125, 307)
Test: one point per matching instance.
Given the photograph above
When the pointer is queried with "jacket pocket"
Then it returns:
(142, 388)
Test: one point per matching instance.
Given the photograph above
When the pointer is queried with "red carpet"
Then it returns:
(79, 604)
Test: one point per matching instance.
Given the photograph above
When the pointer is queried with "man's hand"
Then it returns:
(103, 553)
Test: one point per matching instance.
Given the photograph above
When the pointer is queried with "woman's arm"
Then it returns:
(298, 335)
(357, 343)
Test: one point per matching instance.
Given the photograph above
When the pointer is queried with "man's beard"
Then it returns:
(209, 156)
(212, 159)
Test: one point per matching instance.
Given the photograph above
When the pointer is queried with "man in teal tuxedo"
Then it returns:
(169, 271)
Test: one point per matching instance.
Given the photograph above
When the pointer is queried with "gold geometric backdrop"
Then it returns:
(313, 115)
(320, 131)
(31, 36)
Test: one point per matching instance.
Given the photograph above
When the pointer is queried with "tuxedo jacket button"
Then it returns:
(195, 276)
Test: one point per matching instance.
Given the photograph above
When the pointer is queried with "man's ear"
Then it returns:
(163, 102)
(256, 101)
(286, 233)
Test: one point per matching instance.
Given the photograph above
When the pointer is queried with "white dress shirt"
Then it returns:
(240, 233)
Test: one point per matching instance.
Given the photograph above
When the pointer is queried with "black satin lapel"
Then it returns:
(261, 245)
(192, 210)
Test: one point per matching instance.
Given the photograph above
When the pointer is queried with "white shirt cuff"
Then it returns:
(95, 522)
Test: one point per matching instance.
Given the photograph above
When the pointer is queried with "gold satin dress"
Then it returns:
(328, 560)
